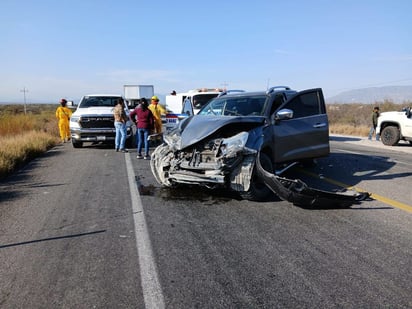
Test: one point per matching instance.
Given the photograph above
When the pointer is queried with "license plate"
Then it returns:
(101, 138)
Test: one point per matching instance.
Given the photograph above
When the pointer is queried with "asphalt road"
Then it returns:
(90, 228)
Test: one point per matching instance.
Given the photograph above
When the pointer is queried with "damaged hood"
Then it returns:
(199, 127)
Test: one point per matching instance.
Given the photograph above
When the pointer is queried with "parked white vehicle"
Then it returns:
(395, 126)
(198, 98)
(189, 103)
(93, 120)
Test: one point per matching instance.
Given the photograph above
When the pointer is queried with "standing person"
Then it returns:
(375, 115)
(63, 114)
(157, 111)
(120, 119)
(145, 123)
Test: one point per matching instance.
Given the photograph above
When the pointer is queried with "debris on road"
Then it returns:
(300, 194)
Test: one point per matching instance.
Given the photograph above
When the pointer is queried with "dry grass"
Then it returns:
(356, 119)
(25, 136)
(18, 149)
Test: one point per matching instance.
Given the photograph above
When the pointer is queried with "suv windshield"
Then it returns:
(235, 106)
(99, 101)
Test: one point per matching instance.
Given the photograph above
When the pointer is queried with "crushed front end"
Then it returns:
(221, 159)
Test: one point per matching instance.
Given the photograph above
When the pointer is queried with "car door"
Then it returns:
(306, 134)
(407, 128)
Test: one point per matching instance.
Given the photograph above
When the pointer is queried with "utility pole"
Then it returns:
(24, 90)
(225, 84)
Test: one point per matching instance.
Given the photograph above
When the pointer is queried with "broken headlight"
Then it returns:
(230, 146)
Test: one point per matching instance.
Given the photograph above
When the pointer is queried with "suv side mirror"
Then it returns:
(284, 114)
(71, 104)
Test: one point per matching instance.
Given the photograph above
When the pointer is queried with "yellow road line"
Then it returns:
(375, 196)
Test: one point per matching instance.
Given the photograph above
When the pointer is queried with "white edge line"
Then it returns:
(152, 291)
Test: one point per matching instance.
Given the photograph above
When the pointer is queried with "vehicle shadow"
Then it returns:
(98, 145)
(343, 170)
(191, 193)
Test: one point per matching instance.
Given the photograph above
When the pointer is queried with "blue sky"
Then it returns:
(68, 48)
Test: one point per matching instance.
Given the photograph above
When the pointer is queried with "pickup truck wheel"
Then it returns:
(258, 191)
(77, 144)
(390, 135)
(131, 142)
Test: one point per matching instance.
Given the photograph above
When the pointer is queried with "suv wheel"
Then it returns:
(390, 136)
(258, 191)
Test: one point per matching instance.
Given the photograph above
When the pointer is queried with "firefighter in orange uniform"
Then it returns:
(157, 111)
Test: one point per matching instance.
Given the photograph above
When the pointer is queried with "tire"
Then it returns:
(258, 191)
(77, 144)
(308, 163)
(131, 142)
(390, 135)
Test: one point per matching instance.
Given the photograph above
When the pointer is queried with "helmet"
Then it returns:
(155, 98)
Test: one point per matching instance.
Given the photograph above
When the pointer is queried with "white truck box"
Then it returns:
(134, 93)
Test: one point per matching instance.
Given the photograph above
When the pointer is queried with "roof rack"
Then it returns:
(272, 89)
(230, 91)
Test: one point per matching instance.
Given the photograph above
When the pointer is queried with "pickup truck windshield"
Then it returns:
(98, 101)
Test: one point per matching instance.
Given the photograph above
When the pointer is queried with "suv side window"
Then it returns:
(277, 101)
(305, 105)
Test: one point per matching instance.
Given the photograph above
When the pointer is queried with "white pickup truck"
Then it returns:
(395, 126)
(93, 120)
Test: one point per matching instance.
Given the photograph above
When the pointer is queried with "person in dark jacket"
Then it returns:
(375, 115)
(145, 123)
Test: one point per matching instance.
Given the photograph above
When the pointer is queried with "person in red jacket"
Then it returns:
(145, 123)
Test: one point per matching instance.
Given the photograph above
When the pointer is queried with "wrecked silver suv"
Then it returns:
(218, 147)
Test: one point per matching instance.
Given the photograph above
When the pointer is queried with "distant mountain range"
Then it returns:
(396, 94)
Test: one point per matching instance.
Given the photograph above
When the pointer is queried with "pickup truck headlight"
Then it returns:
(74, 122)
(232, 145)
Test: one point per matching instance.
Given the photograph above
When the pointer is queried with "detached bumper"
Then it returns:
(298, 193)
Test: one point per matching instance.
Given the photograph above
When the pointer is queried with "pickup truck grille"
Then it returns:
(97, 122)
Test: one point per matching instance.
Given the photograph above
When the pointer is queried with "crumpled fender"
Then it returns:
(300, 194)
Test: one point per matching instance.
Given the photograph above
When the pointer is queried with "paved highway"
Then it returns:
(90, 228)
